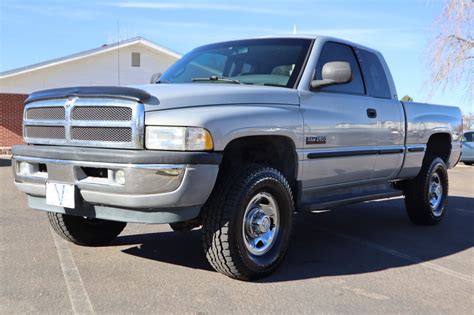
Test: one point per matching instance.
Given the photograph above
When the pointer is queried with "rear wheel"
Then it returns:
(85, 231)
(247, 223)
(426, 196)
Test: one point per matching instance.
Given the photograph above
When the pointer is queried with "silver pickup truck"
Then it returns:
(234, 138)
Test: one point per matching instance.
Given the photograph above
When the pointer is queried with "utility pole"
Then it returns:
(118, 52)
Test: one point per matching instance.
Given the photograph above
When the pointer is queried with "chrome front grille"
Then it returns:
(101, 113)
(46, 113)
(102, 134)
(45, 132)
(93, 122)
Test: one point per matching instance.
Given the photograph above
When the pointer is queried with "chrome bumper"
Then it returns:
(146, 193)
(99, 176)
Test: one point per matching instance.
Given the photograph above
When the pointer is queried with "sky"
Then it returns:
(35, 31)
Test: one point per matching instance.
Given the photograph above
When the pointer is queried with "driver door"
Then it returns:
(340, 135)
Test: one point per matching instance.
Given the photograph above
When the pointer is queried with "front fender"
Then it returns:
(229, 122)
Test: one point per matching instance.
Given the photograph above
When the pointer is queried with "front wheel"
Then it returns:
(426, 196)
(247, 223)
(85, 231)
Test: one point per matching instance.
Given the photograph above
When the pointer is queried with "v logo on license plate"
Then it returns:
(60, 195)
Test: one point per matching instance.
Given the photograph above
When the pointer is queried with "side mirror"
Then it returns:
(334, 72)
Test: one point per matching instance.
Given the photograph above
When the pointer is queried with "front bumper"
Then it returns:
(158, 187)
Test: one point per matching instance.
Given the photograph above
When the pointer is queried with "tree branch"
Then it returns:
(463, 40)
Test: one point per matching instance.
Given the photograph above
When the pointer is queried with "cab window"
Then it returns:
(332, 51)
(374, 75)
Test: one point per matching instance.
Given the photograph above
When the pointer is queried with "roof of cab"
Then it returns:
(323, 38)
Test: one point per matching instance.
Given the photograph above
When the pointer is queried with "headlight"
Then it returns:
(178, 138)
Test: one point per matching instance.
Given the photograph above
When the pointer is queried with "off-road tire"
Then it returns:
(223, 217)
(85, 231)
(417, 193)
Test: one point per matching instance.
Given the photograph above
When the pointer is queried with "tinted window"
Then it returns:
(338, 52)
(374, 75)
(203, 65)
(468, 137)
(259, 61)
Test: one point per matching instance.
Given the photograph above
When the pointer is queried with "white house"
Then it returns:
(132, 61)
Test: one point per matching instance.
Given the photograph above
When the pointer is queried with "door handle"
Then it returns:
(371, 113)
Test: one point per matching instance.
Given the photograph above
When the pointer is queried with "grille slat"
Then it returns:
(92, 122)
(108, 134)
(46, 132)
(46, 113)
(95, 113)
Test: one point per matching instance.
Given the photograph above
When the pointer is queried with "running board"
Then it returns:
(325, 199)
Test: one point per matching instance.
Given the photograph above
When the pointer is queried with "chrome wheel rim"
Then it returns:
(261, 223)
(435, 194)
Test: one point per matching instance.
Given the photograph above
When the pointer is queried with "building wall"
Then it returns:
(11, 117)
(100, 69)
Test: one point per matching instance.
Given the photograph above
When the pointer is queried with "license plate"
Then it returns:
(60, 195)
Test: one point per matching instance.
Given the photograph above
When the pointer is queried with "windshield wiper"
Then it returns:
(216, 78)
(274, 84)
(162, 81)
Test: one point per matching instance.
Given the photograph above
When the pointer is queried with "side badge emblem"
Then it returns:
(316, 140)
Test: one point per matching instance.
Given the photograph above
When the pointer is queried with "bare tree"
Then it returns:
(467, 121)
(452, 51)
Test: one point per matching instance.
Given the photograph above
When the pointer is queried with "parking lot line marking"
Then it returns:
(401, 255)
(78, 296)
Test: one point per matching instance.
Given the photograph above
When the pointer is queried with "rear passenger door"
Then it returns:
(340, 137)
(389, 115)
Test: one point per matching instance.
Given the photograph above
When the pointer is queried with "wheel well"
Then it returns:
(439, 145)
(276, 151)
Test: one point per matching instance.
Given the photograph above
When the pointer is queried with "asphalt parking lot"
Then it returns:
(364, 258)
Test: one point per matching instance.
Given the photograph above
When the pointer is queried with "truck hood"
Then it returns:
(168, 96)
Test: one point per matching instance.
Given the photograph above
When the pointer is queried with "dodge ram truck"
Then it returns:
(236, 137)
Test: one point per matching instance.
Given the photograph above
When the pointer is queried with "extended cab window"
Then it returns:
(332, 51)
(374, 75)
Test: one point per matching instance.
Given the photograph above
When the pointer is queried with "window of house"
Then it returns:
(135, 59)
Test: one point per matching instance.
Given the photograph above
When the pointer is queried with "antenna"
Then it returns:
(118, 52)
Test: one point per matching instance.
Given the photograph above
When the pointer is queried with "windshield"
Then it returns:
(275, 61)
